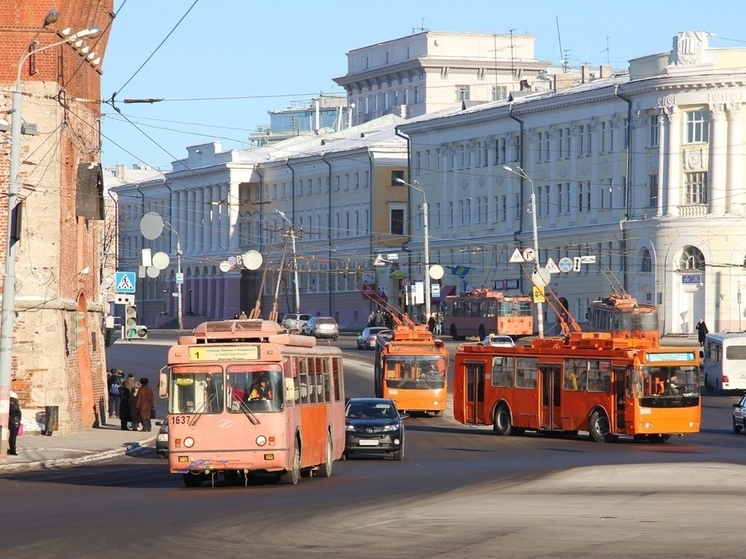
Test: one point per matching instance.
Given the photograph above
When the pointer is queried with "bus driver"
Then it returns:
(262, 390)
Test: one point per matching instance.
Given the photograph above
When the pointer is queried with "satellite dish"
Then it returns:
(225, 266)
(252, 259)
(541, 277)
(151, 225)
(161, 260)
(436, 271)
(152, 272)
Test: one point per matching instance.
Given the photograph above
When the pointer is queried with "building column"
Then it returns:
(662, 141)
(718, 160)
(233, 230)
(216, 217)
(734, 196)
(673, 171)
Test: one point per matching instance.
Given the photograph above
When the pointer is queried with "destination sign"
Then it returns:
(669, 356)
(229, 353)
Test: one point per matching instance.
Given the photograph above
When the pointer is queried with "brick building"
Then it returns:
(58, 351)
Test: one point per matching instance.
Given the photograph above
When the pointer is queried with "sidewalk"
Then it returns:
(40, 451)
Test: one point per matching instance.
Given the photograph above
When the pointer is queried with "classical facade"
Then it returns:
(317, 208)
(58, 355)
(640, 170)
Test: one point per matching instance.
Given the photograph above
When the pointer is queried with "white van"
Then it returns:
(725, 362)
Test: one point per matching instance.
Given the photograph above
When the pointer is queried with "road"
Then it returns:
(460, 492)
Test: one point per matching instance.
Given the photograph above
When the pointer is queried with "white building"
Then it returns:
(642, 169)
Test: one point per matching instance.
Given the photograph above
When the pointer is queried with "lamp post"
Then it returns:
(9, 287)
(539, 306)
(179, 275)
(415, 185)
(295, 261)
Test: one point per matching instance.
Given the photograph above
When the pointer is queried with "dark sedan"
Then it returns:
(374, 426)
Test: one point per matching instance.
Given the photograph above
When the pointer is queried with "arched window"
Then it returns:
(691, 259)
(646, 261)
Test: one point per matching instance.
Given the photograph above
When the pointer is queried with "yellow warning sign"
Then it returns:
(538, 294)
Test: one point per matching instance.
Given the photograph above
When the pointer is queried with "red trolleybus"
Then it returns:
(586, 382)
(410, 367)
(245, 396)
(623, 317)
(482, 311)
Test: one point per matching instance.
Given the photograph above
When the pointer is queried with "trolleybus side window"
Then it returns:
(336, 374)
(599, 376)
(503, 369)
(526, 372)
(576, 374)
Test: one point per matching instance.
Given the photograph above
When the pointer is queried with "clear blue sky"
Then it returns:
(228, 62)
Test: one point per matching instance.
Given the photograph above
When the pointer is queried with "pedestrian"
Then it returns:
(144, 403)
(701, 332)
(14, 423)
(133, 407)
(113, 381)
(125, 411)
(130, 382)
(431, 323)
(243, 316)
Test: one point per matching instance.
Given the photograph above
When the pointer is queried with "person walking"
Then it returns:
(144, 402)
(125, 411)
(14, 423)
(133, 407)
(114, 382)
(701, 332)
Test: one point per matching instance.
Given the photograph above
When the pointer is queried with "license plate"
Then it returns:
(368, 442)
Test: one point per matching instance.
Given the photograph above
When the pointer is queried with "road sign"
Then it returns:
(538, 294)
(552, 267)
(516, 256)
(576, 264)
(588, 259)
(379, 261)
(179, 278)
(392, 256)
(124, 282)
(565, 264)
(529, 255)
(124, 299)
(541, 277)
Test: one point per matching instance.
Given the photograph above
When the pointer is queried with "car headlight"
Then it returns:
(261, 440)
(189, 442)
(349, 427)
(388, 428)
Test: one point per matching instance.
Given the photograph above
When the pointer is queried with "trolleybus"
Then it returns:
(482, 311)
(245, 397)
(623, 317)
(585, 382)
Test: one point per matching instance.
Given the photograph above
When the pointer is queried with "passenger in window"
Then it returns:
(571, 381)
(262, 390)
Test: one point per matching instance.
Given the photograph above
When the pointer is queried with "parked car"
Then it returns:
(374, 426)
(739, 415)
(161, 440)
(321, 327)
(498, 341)
(367, 338)
(295, 321)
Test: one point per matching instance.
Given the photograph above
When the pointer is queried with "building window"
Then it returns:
(602, 138)
(559, 199)
(611, 194)
(428, 165)
(588, 196)
(696, 188)
(546, 146)
(417, 163)
(462, 93)
(397, 221)
(450, 214)
(568, 143)
(395, 175)
(690, 259)
(588, 140)
(697, 127)
(437, 214)
(646, 261)
(580, 197)
(581, 131)
(560, 143)
(499, 92)
(357, 180)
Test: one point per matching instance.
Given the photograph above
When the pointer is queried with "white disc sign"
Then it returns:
(151, 225)
(436, 271)
(225, 266)
(541, 277)
(252, 259)
(152, 271)
(161, 260)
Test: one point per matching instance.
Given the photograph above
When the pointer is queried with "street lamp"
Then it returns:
(179, 275)
(539, 306)
(295, 261)
(13, 216)
(417, 186)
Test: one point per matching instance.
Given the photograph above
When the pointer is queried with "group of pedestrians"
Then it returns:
(132, 402)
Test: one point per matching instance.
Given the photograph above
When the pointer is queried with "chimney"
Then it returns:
(119, 172)
(604, 71)
(562, 81)
(585, 73)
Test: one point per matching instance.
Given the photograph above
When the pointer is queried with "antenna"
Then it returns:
(559, 38)
(512, 69)
(607, 50)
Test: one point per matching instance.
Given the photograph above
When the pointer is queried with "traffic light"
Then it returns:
(133, 330)
(80, 329)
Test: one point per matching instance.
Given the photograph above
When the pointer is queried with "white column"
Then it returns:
(718, 160)
(673, 172)
(662, 141)
(233, 232)
(734, 194)
(217, 214)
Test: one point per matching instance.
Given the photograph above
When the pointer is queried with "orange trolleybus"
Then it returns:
(482, 311)
(623, 317)
(586, 382)
(244, 396)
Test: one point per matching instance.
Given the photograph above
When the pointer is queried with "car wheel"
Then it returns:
(736, 428)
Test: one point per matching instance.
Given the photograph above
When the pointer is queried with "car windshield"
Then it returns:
(371, 410)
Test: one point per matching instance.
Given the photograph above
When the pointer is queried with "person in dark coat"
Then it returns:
(701, 331)
(14, 423)
(125, 411)
(144, 402)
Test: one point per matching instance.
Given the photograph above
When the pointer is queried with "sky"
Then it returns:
(221, 65)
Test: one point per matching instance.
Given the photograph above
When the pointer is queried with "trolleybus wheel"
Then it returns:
(599, 428)
(193, 480)
(326, 468)
(292, 475)
(501, 424)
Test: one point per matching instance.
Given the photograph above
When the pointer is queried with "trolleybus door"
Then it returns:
(474, 405)
(551, 380)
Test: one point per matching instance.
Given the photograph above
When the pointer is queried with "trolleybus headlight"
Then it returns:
(189, 442)
(261, 440)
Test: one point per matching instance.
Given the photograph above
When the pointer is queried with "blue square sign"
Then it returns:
(124, 282)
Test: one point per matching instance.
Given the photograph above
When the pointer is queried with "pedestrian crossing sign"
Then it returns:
(124, 282)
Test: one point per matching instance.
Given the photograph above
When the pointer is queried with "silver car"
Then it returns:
(295, 321)
(368, 337)
(321, 327)
(496, 340)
